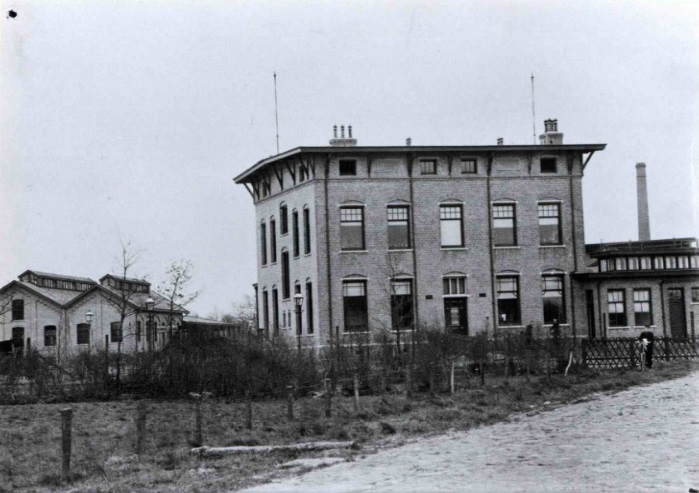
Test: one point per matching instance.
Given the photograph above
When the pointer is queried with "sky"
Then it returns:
(126, 121)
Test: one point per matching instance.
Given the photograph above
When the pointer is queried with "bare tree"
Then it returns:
(125, 292)
(176, 289)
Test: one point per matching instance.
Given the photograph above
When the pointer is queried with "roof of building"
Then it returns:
(414, 149)
(121, 278)
(57, 276)
(57, 295)
(670, 245)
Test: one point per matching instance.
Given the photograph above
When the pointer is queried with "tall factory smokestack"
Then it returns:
(642, 199)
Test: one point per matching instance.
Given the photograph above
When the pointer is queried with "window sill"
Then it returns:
(454, 249)
(507, 247)
(552, 246)
(354, 251)
(307, 254)
(514, 326)
(400, 250)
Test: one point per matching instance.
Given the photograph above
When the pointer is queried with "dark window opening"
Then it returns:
(83, 333)
(116, 334)
(283, 219)
(273, 240)
(554, 299)
(306, 231)
(295, 232)
(548, 165)
(309, 308)
(286, 283)
(508, 301)
(401, 305)
(50, 335)
(348, 167)
(355, 306)
(17, 309)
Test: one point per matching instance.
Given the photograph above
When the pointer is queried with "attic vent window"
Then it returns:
(348, 167)
(428, 167)
(548, 165)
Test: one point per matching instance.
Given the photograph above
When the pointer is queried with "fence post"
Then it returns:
(432, 382)
(141, 410)
(451, 379)
(356, 393)
(632, 354)
(328, 399)
(290, 402)
(248, 417)
(198, 433)
(382, 382)
(408, 383)
(66, 440)
(481, 369)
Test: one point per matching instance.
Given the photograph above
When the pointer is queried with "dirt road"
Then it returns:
(642, 439)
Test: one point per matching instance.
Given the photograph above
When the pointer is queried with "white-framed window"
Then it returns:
(451, 223)
(352, 228)
(616, 307)
(504, 224)
(549, 223)
(428, 166)
(469, 166)
(642, 311)
(398, 217)
(454, 285)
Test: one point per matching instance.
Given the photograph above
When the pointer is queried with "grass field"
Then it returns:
(104, 432)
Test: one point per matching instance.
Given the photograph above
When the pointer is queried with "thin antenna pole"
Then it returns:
(276, 111)
(533, 114)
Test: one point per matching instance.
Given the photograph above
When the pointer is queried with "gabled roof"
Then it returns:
(32, 288)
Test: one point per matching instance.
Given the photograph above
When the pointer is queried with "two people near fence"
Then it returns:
(646, 338)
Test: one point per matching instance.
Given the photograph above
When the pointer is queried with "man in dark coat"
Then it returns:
(647, 338)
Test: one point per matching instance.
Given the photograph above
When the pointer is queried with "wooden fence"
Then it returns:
(625, 352)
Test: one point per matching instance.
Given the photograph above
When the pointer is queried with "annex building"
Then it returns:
(60, 315)
(467, 238)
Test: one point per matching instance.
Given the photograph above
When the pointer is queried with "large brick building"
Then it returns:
(473, 238)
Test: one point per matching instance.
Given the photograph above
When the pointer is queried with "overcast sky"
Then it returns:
(129, 119)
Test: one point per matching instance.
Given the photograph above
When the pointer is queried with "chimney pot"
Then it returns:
(335, 131)
(408, 142)
(349, 129)
(501, 141)
(342, 131)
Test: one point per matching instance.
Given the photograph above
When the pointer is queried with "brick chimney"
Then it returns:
(551, 135)
(642, 199)
(342, 141)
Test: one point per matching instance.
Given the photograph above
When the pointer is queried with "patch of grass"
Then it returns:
(104, 432)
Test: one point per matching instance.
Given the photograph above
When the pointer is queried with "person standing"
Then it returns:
(646, 338)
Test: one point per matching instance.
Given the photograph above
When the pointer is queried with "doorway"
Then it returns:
(678, 322)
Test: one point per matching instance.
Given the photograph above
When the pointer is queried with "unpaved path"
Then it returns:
(641, 439)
